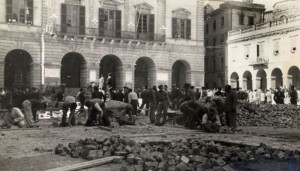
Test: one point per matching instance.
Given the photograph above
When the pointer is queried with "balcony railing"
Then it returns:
(260, 61)
(260, 26)
(118, 34)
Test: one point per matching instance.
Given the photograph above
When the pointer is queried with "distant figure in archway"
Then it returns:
(294, 96)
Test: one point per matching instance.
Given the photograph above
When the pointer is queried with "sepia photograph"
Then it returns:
(149, 85)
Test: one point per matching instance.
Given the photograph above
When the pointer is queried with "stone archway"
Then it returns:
(73, 70)
(144, 73)
(276, 78)
(181, 73)
(261, 80)
(17, 69)
(247, 80)
(111, 64)
(294, 77)
(234, 80)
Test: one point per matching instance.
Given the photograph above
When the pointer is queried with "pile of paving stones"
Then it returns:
(176, 155)
(281, 115)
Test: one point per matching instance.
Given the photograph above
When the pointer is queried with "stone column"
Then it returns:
(254, 80)
(258, 82)
(287, 81)
(270, 81)
(35, 75)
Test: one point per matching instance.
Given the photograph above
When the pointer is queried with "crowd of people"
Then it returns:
(204, 108)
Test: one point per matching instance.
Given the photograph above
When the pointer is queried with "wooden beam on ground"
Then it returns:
(23, 129)
(88, 164)
(160, 134)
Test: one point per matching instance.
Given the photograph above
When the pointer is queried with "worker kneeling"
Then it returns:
(95, 107)
(192, 113)
(211, 121)
(126, 116)
(14, 116)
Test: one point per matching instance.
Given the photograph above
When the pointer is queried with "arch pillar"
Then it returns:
(254, 83)
(271, 80)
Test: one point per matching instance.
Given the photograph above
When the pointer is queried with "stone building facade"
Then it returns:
(267, 55)
(219, 19)
(73, 42)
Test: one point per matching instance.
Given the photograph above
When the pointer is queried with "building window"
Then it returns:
(145, 26)
(247, 51)
(222, 22)
(276, 47)
(109, 22)
(294, 44)
(241, 19)
(215, 25)
(250, 21)
(207, 28)
(214, 42)
(181, 28)
(222, 38)
(260, 50)
(20, 11)
(72, 19)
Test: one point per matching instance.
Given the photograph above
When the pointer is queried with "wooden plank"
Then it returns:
(87, 164)
(160, 134)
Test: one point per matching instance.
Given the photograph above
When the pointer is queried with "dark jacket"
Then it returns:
(279, 97)
(145, 95)
(231, 101)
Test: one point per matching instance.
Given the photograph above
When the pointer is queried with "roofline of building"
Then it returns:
(229, 5)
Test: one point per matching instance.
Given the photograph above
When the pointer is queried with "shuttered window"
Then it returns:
(19, 11)
(181, 28)
(72, 19)
(110, 22)
(145, 26)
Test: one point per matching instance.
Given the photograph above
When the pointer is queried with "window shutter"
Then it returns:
(30, 9)
(81, 19)
(9, 15)
(63, 18)
(188, 29)
(151, 26)
(174, 27)
(101, 21)
(118, 23)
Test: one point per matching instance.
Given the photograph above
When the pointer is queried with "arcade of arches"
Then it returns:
(277, 78)
(18, 71)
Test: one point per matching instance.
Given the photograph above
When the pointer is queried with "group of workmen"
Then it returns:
(155, 102)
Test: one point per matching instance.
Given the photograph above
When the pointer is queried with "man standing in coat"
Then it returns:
(230, 107)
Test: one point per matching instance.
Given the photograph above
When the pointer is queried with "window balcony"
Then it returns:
(109, 34)
(260, 62)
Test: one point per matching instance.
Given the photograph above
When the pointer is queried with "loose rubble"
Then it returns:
(179, 155)
(279, 116)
